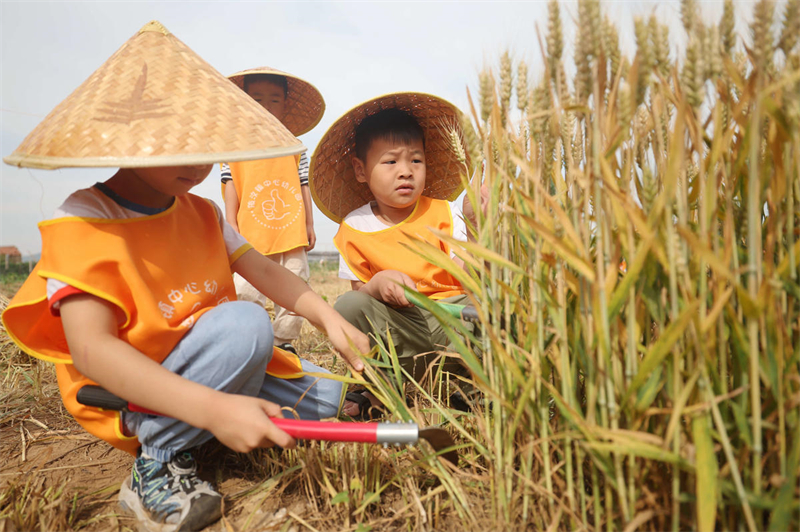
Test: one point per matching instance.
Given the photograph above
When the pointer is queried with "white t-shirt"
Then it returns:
(100, 201)
(364, 220)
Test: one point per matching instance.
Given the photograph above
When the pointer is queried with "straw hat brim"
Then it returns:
(332, 180)
(154, 102)
(304, 102)
(189, 159)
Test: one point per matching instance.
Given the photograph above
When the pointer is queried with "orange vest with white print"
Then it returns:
(272, 215)
(369, 253)
(162, 272)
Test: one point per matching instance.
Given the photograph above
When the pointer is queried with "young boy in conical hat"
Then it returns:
(268, 201)
(134, 289)
(386, 170)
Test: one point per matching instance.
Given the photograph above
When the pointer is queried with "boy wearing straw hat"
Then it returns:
(386, 171)
(134, 289)
(268, 201)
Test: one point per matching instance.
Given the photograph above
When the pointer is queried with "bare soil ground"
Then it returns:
(55, 476)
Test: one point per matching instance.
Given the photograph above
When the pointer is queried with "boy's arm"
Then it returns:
(312, 235)
(231, 205)
(240, 422)
(290, 292)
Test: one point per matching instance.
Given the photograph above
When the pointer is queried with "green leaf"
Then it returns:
(750, 307)
(340, 497)
(656, 355)
(737, 338)
(706, 481)
(642, 450)
(369, 498)
(647, 393)
(781, 516)
(741, 421)
(620, 294)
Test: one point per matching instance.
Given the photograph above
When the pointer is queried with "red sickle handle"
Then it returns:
(320, 430)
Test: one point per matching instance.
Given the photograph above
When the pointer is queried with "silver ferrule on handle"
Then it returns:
(397, 433)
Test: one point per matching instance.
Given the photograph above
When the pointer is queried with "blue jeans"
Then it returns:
(228, 350)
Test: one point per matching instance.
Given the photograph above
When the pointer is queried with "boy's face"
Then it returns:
(395, 173)
(269, 95)
(172, 180)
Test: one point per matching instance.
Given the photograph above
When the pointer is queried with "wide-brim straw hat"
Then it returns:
(304, 103)
(154, 103)
(333, 183)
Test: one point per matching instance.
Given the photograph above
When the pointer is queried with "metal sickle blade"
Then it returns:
(440, 439)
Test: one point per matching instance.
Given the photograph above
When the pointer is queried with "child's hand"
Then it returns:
(387, 286)
(242, 423)
(339, 334)
(312, 236)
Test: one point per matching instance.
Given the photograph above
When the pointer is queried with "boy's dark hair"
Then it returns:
(390, 124)
(277, 79)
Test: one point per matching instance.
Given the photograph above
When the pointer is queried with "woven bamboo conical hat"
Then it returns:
(331, 177)
(304, 103)
(154, 103)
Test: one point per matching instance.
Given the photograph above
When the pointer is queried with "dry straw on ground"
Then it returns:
(637, 276)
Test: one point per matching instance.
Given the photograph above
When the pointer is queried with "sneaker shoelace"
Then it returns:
(160, 481)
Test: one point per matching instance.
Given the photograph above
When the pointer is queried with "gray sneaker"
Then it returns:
(168, 496)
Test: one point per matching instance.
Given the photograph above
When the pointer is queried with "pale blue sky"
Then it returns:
(351, 51)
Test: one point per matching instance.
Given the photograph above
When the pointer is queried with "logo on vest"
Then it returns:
(275, 203)
(200, 295)
(274, 208)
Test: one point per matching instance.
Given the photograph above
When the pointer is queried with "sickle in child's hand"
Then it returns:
(385, 433)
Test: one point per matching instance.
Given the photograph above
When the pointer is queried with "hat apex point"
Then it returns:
(156, 26)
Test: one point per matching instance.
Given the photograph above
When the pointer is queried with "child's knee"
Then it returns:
(249, 332)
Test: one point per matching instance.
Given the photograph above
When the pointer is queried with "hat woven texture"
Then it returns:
(304, 103)
(332, 180)
(154, 103)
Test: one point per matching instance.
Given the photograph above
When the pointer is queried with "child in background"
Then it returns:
(268, 201)
(378, 171)
(134, 289)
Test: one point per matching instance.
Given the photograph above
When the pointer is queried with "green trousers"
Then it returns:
(415, 332)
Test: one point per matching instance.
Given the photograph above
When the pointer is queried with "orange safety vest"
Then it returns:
(162, 272)
(272, 215)
(369, 253)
